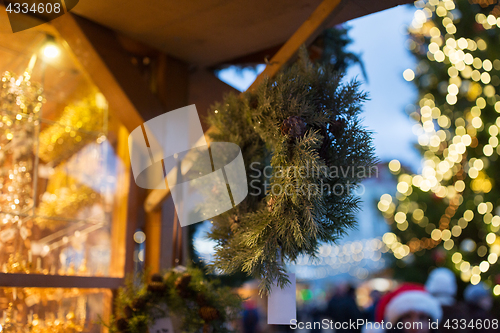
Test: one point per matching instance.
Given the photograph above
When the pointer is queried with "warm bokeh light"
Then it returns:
(459, 144)
(394, 165)
(408, 75)
(139, 237)
(51, 51)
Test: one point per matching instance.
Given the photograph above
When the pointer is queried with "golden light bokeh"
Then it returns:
(446, 170)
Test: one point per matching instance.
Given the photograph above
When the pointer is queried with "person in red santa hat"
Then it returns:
(408, 309)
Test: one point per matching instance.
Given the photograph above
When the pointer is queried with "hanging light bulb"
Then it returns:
(50, 48)
(51, 51)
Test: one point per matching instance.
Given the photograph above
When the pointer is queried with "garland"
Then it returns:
(201, 304)
(80, 124)
(64, 198)
(305, 152)
(20, 103)
(18, 95)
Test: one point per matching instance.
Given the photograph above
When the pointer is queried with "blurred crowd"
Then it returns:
(434, 307)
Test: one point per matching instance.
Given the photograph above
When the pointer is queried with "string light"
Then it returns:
(355, 258)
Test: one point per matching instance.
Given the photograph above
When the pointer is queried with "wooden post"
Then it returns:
(164, 234)
(122, 244)
(153, 229)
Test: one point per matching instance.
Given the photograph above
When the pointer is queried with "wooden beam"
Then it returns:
(312, 25)
(58, 281)
(308, 29)
(255, 58)
(100, 54)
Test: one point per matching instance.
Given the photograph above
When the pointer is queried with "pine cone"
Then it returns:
(156, 278)
(201, 300)
(208, 313)
(156, 287)
(234, 223)
(182, 285)
(122, 325)
(254, 102)
(294, 127)
(140, 303)
(337, 126)
(129, 312)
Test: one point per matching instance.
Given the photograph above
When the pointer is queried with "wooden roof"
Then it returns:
(210, 32)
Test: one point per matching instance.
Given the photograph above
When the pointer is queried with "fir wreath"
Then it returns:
(305, 152)
(201, 304)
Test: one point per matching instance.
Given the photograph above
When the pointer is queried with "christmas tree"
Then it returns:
(448, 214)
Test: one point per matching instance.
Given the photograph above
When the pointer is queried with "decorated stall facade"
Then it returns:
(70, 93)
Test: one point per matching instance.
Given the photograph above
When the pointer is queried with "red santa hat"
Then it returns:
(408, 297)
